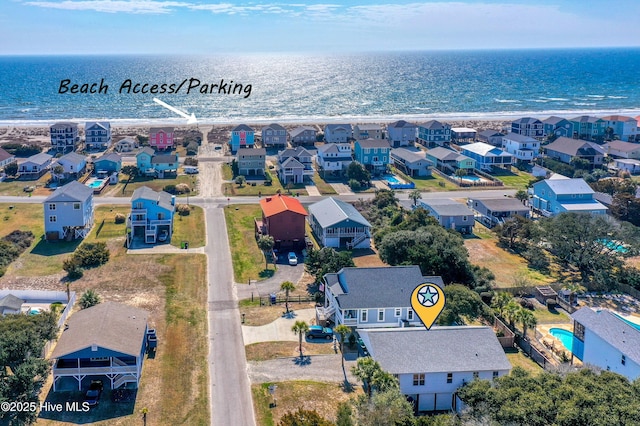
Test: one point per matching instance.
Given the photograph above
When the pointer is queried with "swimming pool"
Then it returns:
(565, 336)
(96, 184)
(392, 179)
(632, 324)
(472, 178)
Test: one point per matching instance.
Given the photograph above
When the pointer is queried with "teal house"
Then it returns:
(108, 163)
(373, 154)
(151, 164)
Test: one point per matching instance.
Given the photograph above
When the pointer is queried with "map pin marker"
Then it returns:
(427, 300)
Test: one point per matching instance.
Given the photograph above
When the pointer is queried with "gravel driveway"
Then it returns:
(321, 368)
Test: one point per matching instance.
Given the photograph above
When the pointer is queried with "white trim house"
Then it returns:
(338, 224)
(68, 212)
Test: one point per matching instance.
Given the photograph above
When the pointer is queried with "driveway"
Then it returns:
(342, 189)
(312, 190)
(319, 368)
(278, 330)
(284, 273)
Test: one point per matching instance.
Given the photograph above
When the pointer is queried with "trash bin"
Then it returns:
(182, 245)
(272, 298)
(186, 245)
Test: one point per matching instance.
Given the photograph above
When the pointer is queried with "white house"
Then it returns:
(372, 297)
(35, 166)
(523, 148)
(6, 158)
(605, 340)
(337, 133)
(339, 224)
(334, 157)
(621, 149)
(68, 212)
(126, 145)
(431, 365)
(73, 164)
(631, 166)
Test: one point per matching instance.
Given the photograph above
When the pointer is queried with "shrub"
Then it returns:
(192, 148)
(22, 150)
(182, 188)
(551, 303)
(183, 209)
(171, 189)
(72, 268)
(11, 169)
(354, 185)
(240, 180)
(22, 239)
(486, 296)
(190, 161)
(120, 218)
(88, 299)
(91, 254)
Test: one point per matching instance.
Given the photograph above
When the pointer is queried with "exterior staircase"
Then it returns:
(121, 379)
(358, 239)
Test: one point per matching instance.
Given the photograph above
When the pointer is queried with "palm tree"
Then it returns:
(384, 381)
(500, 301)
(364, 370)
(527, 319)
(300, 327)
(265, 243)
(415, 195)
(287, 286)
(510, 312)
(342, 331)
(522, 195)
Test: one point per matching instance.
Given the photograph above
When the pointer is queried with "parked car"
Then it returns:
(319, 332)
(93, 394)
(191, 170)
(293, 259)
(164, 234)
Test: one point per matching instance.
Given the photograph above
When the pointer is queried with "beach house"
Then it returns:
(338, 224)
(251, 161)
(10, 305)
(105, 342)
(626, 128)
(334, 157)
(368, 131)
(431, 365)
(35, 166)
(72, 164)
(373, 154)
(401, 133)
(605, 340)
(161, 138)
(528, 126)
(151, 216)
(274, 135)
(68, 212)
(6, 159)
(295, 165)
(283, 218)
(589, 128)
(126, 145)
(160, 165)
(411, 163)
(107, 164)
(523, 148)
(434, 133)
(372, 297)
(338, 133)
(567, 149)
(242, 136)
(488, 156)
(557, 126)
(303, 135)
(448, 161)
(492, 137)
(495, 211)
(556, 195)
(97, 135)
(621, 149)
(450, 214)
(64, 136)
(463, 134)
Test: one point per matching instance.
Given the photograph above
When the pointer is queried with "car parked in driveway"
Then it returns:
(93, 394)
(319, 332)
(293, 259)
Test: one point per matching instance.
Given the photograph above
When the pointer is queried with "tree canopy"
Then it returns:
(325, 261)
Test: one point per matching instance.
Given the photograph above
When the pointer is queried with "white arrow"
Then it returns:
(191, 119)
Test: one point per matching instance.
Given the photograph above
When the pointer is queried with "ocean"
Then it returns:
(321, 88)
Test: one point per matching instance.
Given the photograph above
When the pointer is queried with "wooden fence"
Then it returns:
(508, 338)
(533, 352)
(61, 321)
(629, 290)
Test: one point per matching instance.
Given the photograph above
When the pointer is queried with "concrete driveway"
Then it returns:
(284, 273)
(278, 330)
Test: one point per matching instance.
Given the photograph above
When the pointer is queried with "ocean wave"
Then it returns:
(617, 97)
(596, 96)
(584, 103)
(555, 99)
(506, 101)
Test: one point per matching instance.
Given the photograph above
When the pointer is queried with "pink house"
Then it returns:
(161, 138)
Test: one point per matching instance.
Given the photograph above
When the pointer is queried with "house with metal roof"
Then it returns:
(412, 163)
(434, 133)
(523, 148)
(553, 196)
(274, 135)
(490, 136)
(338, 133)
(334, 157)
(495, 211)
(368, 130)
(372, 297)
(338, 224)
(35, 166)
(567, 149)
(283, 218)
(10, 304)
(107, 341)
(431, 365)
(97, 135)
(448, 160)
(528, 126)
(242, 136)
(450, 214)
(487, 156)
(68, 212)
(151, 216)
(401, 133)
(463, 134)
(126, 145)
(605, 340)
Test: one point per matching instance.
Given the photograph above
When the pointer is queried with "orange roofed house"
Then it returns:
(283, 218)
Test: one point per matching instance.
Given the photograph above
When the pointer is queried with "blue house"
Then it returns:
(68, 212)
(152, 164)
(558, 195)
(557, 126)
(242, 136)
(373, 154)
(151, 217)
(434, 133)
(97, 135)
(107, 341)
(372, 297)
(108, 163)
(487, 156)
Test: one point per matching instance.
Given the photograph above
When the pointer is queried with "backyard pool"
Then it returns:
(394, 183)
(392, 179)
(471, 178)
(565, 336)
(632, 324)
(96, 184)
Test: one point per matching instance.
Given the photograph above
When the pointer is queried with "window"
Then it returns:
(380, 315)
(76, 206)
(410, 314)
(495, 374)
(397, 312)
(418, 379)
(623, 360)
(578, 330)
(449, 377)
(476, 374)
(53, 219)
(52, 206)
(363, 315)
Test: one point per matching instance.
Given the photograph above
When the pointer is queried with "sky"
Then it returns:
(214, 27)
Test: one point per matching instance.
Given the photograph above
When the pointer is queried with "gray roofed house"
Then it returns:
(109, 163)
(450, 214)
(607, 341)
(524, 148)
(6, 158)
(433, 133)
(554, 196)
(108, 339)
(494, 211)
(242, 127)
(72, 163)
(151, 216)
(274, 135)
(295, 165)
(126, 145)
(35, 166)
(488, 156)
(337, 133)
(97, 135)
(432, 365)
(490, 136)
(372, 297)
(334, 157)
(251, 161)
(10, 304)
(528, 126)
(566, 149)
(412, 163)
(303, 135)
(339, 224)
(448, 160)
(68, 212)
(402, 133)
(621, 149)
(369, 130)
(64, 136)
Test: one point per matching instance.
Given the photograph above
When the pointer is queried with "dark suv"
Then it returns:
(319, 332)
(93, 394)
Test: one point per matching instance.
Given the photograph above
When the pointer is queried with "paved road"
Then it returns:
(231, 401)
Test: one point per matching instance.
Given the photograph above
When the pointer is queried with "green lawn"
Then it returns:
(105, 226)
(515, 178)
(248, 260)
(433, 183)
(189, 228)
(323, 186)
(518, 359)
(16, 187)
(125, 190)
(260, 189)
(545, 316)
(227, 173)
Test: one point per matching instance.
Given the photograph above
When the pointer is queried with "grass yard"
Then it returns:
(122, 189)
(545, 316)
(105, 226)
(260, 189)
(270, 350)
(433, 183)
(248, 260)
(15, 187)
(517, 358)
(189, 228)
(515, 178)
(256, 315)
(227, 173)
(366, 258)
(322, 397)
(323, 187)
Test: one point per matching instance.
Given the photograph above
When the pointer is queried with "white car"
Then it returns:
(293, 259)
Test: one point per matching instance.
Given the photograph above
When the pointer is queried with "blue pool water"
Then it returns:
(632, 324)
(392, 179)
(566, 337)
(95, 184)
(471, 178)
